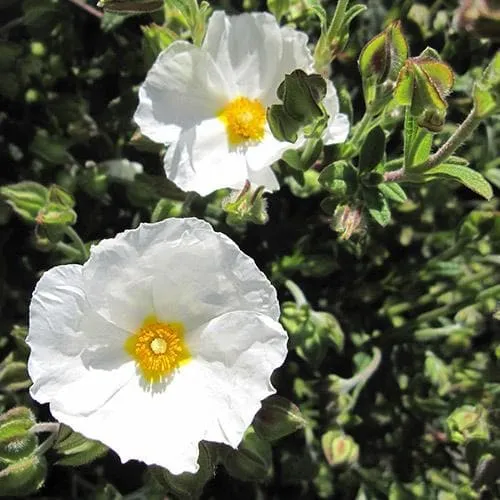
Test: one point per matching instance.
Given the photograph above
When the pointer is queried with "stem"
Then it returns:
(461, 134)
(364, 375)
(298, 296)
(73, 235)
(362, 126)
(53, 428)
(91, 10)
(394, 175)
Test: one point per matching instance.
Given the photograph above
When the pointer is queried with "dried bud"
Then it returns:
(347, 221)
(479, 17)
(246, 206)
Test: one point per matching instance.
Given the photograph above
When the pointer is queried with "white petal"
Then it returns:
(214, 397)
(183, 87)
(202, 161)
(295, 55)
(63, 369)
(264, 177)
(247, 48)
(337, 128)
(264, 154)
(206, 275)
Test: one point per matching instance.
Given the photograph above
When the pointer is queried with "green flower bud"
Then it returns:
(468, 423)
(486, 92)
(277, 418)
(246, 206)
(423, 84)
(130, 6)
(25, 198)
(186, 485)
(252, 461)
(14, 375)
(93, 180)
(23, 477)
(15, 422)
(379, 64)
(339, 448)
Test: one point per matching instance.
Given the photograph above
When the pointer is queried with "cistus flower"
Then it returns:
(165, 337)
(208, 103)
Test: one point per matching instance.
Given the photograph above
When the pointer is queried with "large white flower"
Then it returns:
(166, 336)
(209, 103)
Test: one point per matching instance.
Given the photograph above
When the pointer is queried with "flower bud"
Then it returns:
(379, 64)
(277, 418)
(186, 485)
(25, 198)
(468, 423)
(423, 84)
(252, 460)
(339, 448)
(347, 221)
(248, 205)
(23, 477)
(479, 17)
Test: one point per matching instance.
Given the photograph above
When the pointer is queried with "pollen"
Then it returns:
(244, 120)
(158, 348)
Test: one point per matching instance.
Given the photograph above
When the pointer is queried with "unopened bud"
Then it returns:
(25, 198)
(347, 221)
(186, 485)
(468, 423)
(479, 17)
(339, 448)
(248, 205)
(23, 477)
(277, 418)
(252, 460)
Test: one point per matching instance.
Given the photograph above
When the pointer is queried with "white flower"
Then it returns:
(166, 336)
(209, 103)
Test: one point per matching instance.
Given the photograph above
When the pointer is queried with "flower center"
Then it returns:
(158, 348)
(244, 120)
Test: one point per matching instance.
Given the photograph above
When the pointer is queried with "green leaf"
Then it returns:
(377, 206)
(403, 92)
(465, 175)
(393, 191)
(373, 150)
(316, 7)
(278, 8)
(75, 449)
(282, 126)
(340, 178)
(292, 158)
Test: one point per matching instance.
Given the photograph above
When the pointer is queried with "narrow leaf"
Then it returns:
(393, 191)
(373, 150)
(377, 206)
(465, 175)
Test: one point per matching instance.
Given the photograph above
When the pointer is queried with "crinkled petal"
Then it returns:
(214, 397)
(337, 128)
(207, 275)
(295, 55)
(64, 371)
(264, 177)
(202, 161)
(183, 88)
(178, 269)
(247, 48)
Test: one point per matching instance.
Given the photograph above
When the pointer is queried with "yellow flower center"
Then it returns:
(158, 348)
(244, 120)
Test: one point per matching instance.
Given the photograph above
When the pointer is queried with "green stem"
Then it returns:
(360, 379)
(362, 126)
(75, 238)
(53, 428)
(461, 134)
(298, 296)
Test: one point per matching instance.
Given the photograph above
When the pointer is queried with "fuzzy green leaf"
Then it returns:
(465, 175)
(373, 150)
(377, 206)
(393, 191)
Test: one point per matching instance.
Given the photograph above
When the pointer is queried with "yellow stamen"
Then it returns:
(158, 348)
(244, 120)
